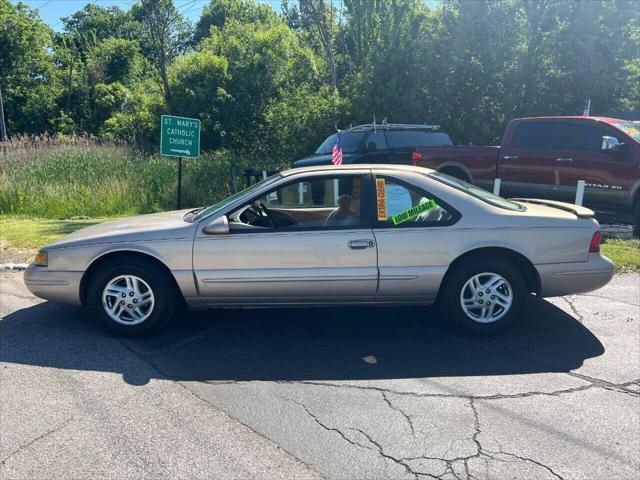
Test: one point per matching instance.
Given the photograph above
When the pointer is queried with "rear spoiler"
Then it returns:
(578, 210)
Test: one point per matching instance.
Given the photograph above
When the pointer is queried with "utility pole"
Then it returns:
(3, 129)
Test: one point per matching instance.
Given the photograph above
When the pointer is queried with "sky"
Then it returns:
(52, 10)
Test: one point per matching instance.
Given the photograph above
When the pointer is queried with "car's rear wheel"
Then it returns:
(484, 294)
(636, 219)
(131, 296)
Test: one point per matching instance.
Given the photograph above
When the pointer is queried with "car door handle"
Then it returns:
(510, 157)
(564, 159)
(360, 244)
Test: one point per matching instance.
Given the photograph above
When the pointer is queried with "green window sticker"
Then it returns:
(413, 212)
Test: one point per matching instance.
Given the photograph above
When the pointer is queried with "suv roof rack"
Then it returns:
(395, 126)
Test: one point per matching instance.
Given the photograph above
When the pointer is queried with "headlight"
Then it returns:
(42, 259)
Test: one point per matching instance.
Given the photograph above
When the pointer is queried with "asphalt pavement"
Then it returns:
(337, 393)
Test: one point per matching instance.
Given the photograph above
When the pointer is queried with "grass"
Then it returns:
(624, 253)
(58, 180)
(26, 234)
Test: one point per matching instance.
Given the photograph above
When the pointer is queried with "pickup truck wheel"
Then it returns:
(132, 297)
(484, 294)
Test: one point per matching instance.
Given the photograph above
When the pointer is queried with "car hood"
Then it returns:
(315, 160)
(156, 226)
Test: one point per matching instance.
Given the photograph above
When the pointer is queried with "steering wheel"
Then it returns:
(267, 214)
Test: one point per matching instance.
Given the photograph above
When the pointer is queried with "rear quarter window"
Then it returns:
(533, 135)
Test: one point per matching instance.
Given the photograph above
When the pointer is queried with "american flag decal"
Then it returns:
(336, 153)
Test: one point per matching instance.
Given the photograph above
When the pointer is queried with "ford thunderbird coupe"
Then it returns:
(348, 235)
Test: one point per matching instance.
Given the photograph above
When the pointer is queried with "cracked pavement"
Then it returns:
(337, 393)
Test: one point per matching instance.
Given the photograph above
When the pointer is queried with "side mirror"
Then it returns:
(612, 144)
(372, 147)
(217, 226)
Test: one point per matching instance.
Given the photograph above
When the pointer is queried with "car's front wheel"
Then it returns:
(131, 296)
(484, 294)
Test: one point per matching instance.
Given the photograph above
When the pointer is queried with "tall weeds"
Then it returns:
(55, 177)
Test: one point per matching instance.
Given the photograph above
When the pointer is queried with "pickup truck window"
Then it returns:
(534, 135)
(576, 136)
(477, 192)
(416, 138)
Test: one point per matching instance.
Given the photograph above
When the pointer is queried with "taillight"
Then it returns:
(595, 242)
(415, 157)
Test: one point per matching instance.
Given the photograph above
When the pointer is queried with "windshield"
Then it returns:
(196, 215)
(630, 128)
(478, 192)
(350, 143)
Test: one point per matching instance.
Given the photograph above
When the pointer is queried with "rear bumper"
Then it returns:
(57, 286)
(558, 279)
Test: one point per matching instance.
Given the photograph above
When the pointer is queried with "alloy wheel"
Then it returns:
(128, 300)
(486, 297)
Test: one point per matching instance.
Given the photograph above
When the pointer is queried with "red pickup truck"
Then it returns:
(545, 157)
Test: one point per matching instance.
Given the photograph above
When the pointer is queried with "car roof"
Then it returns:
(357, 166)
(575, 117)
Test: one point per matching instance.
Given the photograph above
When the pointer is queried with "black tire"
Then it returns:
(636, 220)
(450, 296)
(163, 289)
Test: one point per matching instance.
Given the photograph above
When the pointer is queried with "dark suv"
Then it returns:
(385, 143)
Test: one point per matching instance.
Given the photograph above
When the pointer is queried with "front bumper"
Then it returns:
(57, 286)
(557, 279)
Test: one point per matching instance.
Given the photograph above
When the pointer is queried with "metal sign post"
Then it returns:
(179, 137)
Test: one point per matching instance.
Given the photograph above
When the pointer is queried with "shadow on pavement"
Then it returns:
(298, 344)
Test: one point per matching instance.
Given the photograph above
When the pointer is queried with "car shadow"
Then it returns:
(356, 343)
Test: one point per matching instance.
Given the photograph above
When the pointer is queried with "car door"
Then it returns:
(321, 249)
(412, 229)
(526, 162)
(580, 145)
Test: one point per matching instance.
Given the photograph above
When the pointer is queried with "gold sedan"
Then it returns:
(349, 235)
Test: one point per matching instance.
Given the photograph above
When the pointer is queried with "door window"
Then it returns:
(575, 136)
(401, 205)
(533, 135)
(414, 138)
(379, 139)
(317, 203)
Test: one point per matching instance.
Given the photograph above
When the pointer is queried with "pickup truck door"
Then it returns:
(526, 161)
(580, 156)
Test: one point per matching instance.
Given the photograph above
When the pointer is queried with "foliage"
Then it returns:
(272, 85)
(64, 179)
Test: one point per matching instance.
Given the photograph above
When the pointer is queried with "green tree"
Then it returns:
(30, 86)
(218, 12)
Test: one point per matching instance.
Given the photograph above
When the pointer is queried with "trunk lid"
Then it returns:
(578, 210)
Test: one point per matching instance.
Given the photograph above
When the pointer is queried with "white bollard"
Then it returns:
(264, 174)
(496, 186)
(580, 192)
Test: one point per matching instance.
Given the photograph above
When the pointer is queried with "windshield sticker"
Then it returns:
(413, 212)
(381, 199)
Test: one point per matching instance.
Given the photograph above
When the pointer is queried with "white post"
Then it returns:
(335, 191)
(300, 194)
(264, 174)
(580, 192)
(496, 186)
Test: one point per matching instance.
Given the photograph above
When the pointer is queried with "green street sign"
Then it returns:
(179, 136)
